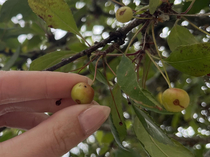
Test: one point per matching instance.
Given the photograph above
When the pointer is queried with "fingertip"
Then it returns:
(59, 133)
(92, 118)
(89, 81)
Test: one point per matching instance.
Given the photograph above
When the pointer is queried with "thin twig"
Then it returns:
(117, 35)
(156, 47)
(188, 9)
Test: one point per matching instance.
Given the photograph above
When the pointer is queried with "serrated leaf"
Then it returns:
(193, 60)
(153, 5)
(180, 35)
(117, 122)
(55, 13)
(49, 60)
(99, 76)
(127, 79)
(157, 149)
(151, 127)
(12, 60)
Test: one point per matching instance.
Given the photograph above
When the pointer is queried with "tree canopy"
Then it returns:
(164, 45)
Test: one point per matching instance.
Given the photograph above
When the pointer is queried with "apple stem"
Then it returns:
(168, 82)
(96, 69)
(188, 9)
(143, 18)
(121, 4)
(161, 59)
(132, 39)
(109, 67)
(120, 123)
(80, 69)
(196, 27)
(141, 9)
(115, 105)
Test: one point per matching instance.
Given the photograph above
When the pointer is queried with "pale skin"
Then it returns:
(25, 96)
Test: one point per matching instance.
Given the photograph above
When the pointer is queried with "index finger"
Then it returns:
(18, 86)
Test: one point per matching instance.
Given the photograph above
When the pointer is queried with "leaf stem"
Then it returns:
(156, 47)
(191, 15)
(143, 18)
(84, 40)
(96, 69)
(196, 27)
(118, 2)
(141, 9)
(188, 9)
(168, 82)
(80, 69)
(109, 67)
(132, 39)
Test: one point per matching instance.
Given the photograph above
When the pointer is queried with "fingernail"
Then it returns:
(92, 118)
(94, 103)
(89, 81)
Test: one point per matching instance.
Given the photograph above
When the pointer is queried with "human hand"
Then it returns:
(25, 96)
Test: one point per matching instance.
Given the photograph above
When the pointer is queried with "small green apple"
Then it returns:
(82, 93)
(124, 14)
(175, 99)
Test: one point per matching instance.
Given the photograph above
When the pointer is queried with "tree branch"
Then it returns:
(118, 35)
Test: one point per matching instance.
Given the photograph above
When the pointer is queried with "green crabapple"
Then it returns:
(175, 99)
(82, 93)
(124, 14)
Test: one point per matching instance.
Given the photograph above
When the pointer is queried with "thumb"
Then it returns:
(58, 134)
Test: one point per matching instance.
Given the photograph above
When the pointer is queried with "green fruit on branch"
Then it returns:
(175, 99)
(124, 14)
(82, 93)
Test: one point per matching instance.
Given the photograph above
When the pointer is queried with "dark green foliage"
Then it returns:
(129, 83)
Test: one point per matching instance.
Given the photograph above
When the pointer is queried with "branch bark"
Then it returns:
(117, 36)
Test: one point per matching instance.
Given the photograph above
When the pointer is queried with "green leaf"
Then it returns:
(127, 79)
(99, 76)
(55, 13)
(157, 149)
(107, 138)
(14, 32)
(12, 43)
(146, 67)
(197, 6)
(151, 127)
(99, 135)
(2, 45)
(123, 153)
(117, 122)
(153, 5)
(12, 60)
(191, 59)
(11, 8)
(49, 60)
(105, 148)
(7, 134)
(180, 35)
